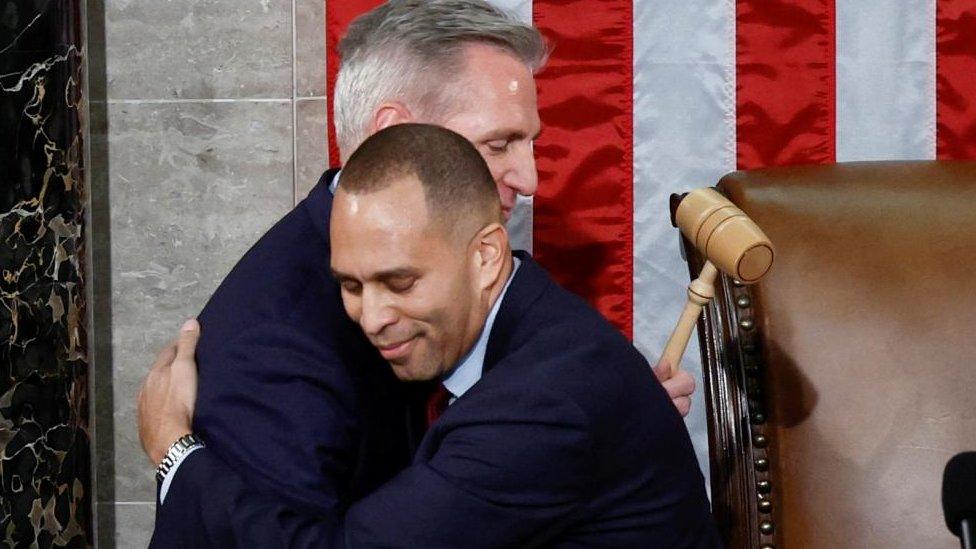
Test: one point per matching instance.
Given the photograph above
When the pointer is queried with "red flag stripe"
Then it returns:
(583, 212)
(338, 15)
(956, 79)
(785, 82)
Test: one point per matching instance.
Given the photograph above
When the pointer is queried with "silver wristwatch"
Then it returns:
(179, 449)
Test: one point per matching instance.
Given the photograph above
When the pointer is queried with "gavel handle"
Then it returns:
(700, 291)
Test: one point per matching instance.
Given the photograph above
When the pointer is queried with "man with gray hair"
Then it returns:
(461, 64)
(290, 395)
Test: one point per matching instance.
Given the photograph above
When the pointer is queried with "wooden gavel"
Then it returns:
(730, 242)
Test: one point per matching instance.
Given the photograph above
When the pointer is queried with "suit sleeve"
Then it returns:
(210, 505)
(512, 476)
(277, 412)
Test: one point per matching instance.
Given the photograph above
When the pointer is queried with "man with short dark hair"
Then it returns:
(290, 395)
(557, 432)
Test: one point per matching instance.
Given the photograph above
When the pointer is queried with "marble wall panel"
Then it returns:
(310, 48)
(192, 186)
(198, 49)
(203, 158)
(135, 524)
(45, 466)
(311, 145)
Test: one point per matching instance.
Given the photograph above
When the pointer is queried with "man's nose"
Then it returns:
(522, 176)
(376, 314)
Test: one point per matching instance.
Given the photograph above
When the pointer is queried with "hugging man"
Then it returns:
(291, 396)
(554, 430)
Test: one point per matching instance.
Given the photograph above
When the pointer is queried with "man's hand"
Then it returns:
(169, 394)
(679, 388)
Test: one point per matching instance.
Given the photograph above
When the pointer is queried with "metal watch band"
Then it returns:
(176, 451)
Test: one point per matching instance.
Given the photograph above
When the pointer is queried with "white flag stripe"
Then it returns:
(684, 137)
(520, 225)
(885, 79)
(521, 8)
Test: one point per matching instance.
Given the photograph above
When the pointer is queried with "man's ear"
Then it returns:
(492, 250)
(389, 114)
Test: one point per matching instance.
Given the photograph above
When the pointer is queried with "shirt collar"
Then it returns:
(469, 368)
(334, 184)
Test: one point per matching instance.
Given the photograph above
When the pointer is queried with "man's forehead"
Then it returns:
(376, 240)
(392, 216)
(496, 95)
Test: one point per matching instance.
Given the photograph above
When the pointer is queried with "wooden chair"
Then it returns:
(839, 386)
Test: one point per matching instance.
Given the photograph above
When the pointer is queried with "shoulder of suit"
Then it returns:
(275, 272)
(565, 353)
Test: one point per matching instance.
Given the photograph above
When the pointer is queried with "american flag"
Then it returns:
(642, 98)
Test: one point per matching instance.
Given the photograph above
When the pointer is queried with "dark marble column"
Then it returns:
(45, 495)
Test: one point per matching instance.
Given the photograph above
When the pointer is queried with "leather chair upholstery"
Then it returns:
(839, 386)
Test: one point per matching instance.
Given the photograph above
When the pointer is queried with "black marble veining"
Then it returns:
(45, 479)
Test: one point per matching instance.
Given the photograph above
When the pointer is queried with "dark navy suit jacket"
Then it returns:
(291, 396)
(568, 440)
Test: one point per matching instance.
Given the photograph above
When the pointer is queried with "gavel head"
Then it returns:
(725, 235)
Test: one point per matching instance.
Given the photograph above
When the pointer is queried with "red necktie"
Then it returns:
(437, 403)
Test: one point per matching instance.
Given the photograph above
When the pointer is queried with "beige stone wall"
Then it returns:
(216, 127)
